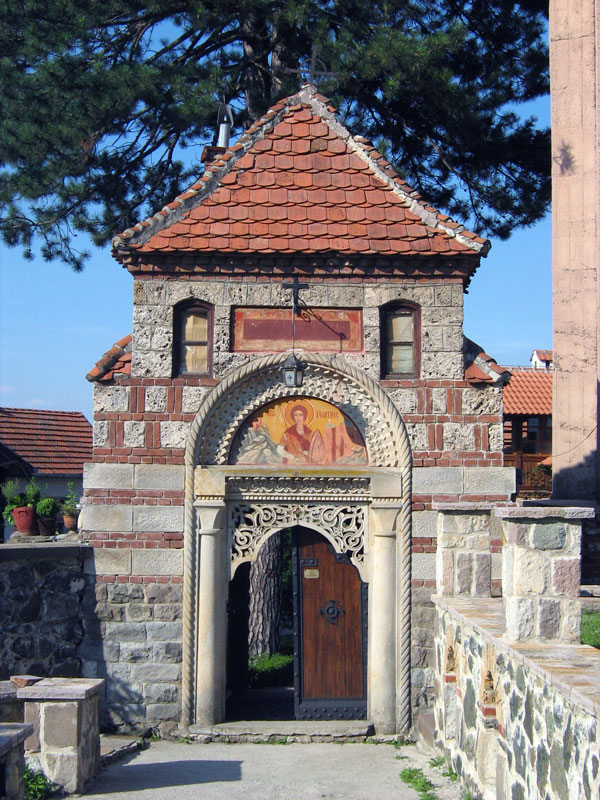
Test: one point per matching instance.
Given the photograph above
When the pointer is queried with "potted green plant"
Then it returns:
(69, 508)
(47, 509)
(20, 506)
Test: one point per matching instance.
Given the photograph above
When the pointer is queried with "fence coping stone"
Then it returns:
(573, 669)
(12, 734)
(545, 512)
(61, 689)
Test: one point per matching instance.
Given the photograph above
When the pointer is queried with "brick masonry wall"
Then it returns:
(133, 516)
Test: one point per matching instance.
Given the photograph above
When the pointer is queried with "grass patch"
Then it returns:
(275, 670)
(418, 781)
(590, 627)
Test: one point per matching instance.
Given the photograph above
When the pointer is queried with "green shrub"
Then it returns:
(33, 493)
(37, 785)
(69, 504)
(14, 499)
(590, 627)
(275, 670)
(48, 507)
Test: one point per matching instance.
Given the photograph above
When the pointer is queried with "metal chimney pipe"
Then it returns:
(225, 123)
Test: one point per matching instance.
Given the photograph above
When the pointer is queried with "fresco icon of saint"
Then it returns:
(299, 431)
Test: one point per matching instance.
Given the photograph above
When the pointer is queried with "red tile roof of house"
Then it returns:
(297, 182)
(543, 355)
(116, 361)
(529, 392)
(52, 442)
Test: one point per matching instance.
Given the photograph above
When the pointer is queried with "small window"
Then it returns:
(399, 345)
(193, 351)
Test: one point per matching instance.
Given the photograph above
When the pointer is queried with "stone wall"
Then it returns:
(517, 721)
(41, 600)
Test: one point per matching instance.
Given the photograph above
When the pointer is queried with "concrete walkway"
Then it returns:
(172, 770)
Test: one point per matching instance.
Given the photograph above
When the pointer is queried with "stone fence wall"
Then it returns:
(518, 721)
(42, 591)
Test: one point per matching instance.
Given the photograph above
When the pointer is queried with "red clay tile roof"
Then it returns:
(116, 361)
(529, 392)
(297, 182)
(481, 368)
(53, 442)
(543, 355)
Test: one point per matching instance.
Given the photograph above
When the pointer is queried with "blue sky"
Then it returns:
(55, 324)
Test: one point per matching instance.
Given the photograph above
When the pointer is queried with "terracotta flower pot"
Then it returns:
(24, 517)
(47, 526)
(70, 522)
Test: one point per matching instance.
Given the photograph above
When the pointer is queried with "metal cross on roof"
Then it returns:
(311, 69)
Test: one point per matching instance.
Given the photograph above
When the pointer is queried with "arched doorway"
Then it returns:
(362, 510)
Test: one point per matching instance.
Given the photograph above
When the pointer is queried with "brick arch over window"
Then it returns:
(192, 338)
(400, 327)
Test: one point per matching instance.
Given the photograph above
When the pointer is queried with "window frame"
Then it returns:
(178, 312)
(384, 312)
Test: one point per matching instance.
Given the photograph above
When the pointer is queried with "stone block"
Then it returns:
(423, 566)
(137, 612)
(157, 562)
(496, 438)
(134, 434)
(163, 592)
(464, 573)
(566, 576)
(487, 400)
(482, 585)
(548, 618)
(162, 711)
(173, 434)
(59, 725)
(424, 523)
(405, 400)
(192, 397)
(156, 398)
(108, 399)
(458, 436)
(442, 365)
(106, 518)
(417, 434)
(108, 476)
(164, 631)
(124, 592)
(31, 716)
(438, 401)
(151, 364)
(529, 572)
(438, 480)
(63, 768)
(445, 572)
(155, 672)
(105, 561)
(164, 477)
(136, 653)
(125, 632)
(158, 518)
(100, 435)
(549, 536)
(489, 480)
(570, 626)
(209, 292)
(167, 652)
(160, 693)
(519, 618)
(162, 338)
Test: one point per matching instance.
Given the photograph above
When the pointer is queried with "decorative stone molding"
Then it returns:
(343, 525)
(242, 392)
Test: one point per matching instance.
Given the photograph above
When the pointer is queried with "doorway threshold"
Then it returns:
(284, 731)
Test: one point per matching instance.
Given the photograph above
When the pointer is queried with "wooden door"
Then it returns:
(330, 632)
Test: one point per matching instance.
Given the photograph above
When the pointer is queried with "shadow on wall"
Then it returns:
(580, 484)
(41, 597)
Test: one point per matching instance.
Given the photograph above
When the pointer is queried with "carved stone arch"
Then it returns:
(211, 435)
(330, 379)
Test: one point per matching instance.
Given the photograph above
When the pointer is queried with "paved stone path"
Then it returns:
(168, 770)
